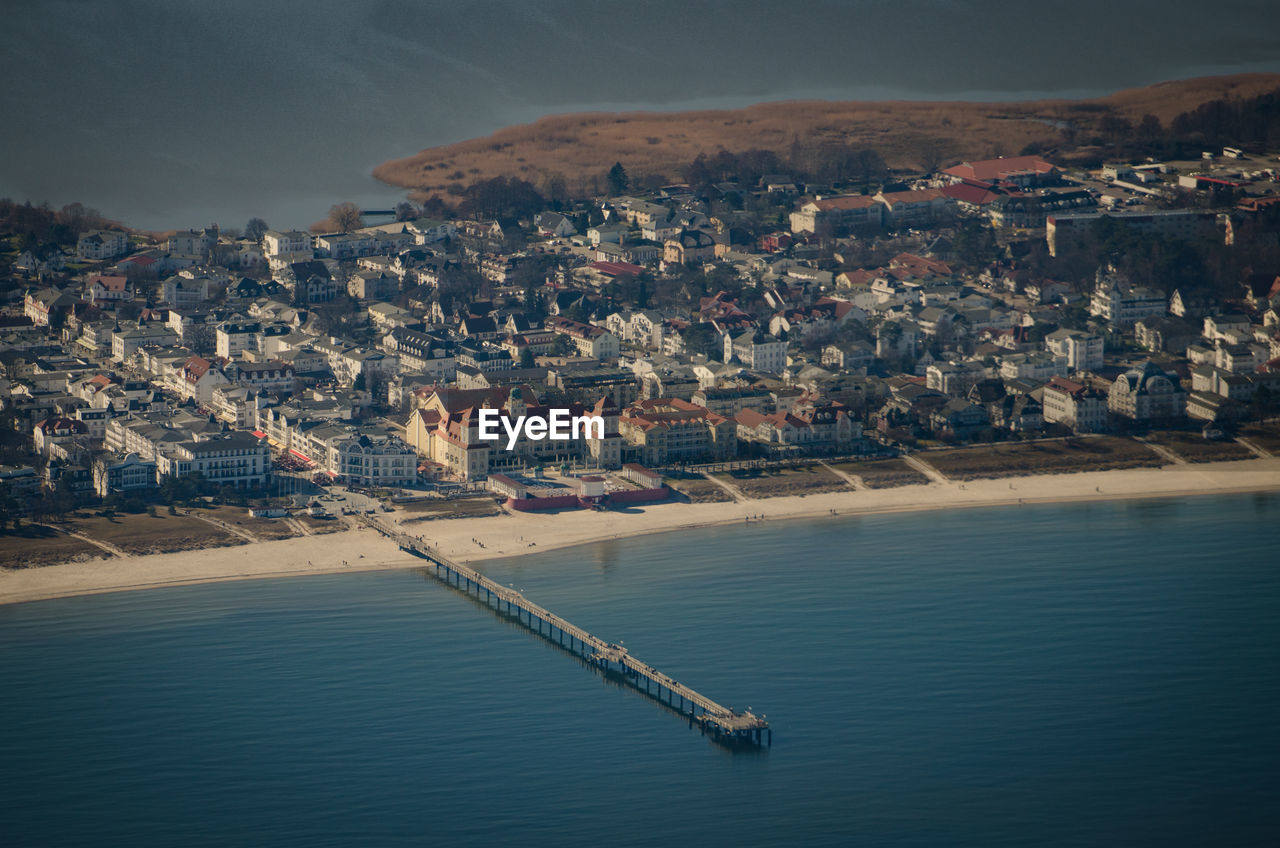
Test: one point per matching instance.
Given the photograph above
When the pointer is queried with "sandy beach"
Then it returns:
(477, 539)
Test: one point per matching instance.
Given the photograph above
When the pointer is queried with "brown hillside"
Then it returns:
(908, 134)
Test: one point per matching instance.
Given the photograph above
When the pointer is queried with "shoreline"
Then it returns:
(905, 130)
(475, 540)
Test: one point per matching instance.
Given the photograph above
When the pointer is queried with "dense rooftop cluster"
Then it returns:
(990, 300)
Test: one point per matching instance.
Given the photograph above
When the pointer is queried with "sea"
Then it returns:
(167, 114)
(1047, 675)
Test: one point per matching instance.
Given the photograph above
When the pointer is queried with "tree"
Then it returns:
(931, 155)
(535, 305)
(1150, 129)
(8, 508)
(502, 197)
(76, 218)
(200, 338)
(406, 211)
(618, 180)
(701, 339)
(345, 216)
(526, 358)
(975, 244)
(255, 229)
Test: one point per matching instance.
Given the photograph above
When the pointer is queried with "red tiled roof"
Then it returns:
(992, 170)
(1071, 387)
(927, 195)
(845, 202)
(112, 282)
(967, 193)
(617, 269)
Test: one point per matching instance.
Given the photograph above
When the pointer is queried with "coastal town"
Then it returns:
(741, 335)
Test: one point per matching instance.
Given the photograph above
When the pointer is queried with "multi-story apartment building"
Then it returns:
(1082, 351)
(445, 431)
(954, 378)
(811, 423)
(126, 341)
(362, 459)
(271, 375)
(237, 406)
(131, 473)
(829, 213)
(424, 353)
(590, 340)
(1183, 223)
(237, 459)
(1038, 365)
(1074, 405)
(283, 244)
(756, 350)
(916, 208)
(1122, 305)
(234, 337)
(666, 430)
(102, 244)
(1146, 393)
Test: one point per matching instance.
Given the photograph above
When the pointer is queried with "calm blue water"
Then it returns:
(1049, 675)
(176, 113)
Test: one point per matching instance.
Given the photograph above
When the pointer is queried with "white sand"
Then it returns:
(473, 539)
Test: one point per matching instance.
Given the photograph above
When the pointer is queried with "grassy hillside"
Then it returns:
(580, 148)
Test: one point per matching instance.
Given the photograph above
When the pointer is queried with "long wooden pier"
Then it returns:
(726, 725)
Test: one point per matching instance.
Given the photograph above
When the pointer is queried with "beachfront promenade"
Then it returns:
(612, 660)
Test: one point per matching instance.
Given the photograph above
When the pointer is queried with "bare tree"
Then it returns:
(79, 218)
(255, 229)
(931, 155)
(200, 338)
(345, 216)
(406, 211)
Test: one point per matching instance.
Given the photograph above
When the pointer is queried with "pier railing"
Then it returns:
(611, 659)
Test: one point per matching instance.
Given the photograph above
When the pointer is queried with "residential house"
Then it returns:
(1147, 393)
(814, 424)
(596, 342)
(424, 353)
(1074, 405)
(915, 208)
(1021, 171)
(269, 376)
(667, 430)
(373, 285)
(1161, 334)
(187, 290)
(47, 307)
(236, 459)
(960, 419)
(197, 378)
(689, 246)
(291, 243)
(309, 282)
(102, 244)
(828, 214)
(1082, 351)
(56, 435)
(121, 475)
(553, 224)
(231, 338)
(108, 289)
(756, 350)
(1123, 305)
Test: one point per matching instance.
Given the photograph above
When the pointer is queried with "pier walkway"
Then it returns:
(612, 660)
